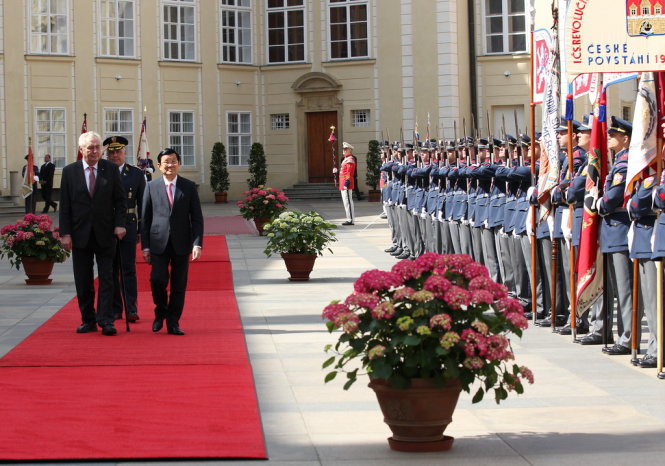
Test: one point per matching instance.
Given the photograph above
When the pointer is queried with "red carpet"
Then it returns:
(214, 250)
(137, 395)
(229, 225)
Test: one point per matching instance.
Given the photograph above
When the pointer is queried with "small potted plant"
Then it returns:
(258, 172)
(262, 204)
(423, 332)
(373, 174)
(219, 174)
(299, 237)
(34, 243)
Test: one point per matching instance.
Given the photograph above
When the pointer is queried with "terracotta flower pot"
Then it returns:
(373, 195)
(260, 222)
(220, 198)
(37, 270)
(299, 265)
(418, 415)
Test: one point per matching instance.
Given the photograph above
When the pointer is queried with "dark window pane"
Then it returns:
(359, 31)
(494, 7)
(359, 13)
(275, 3)
(276, 37)
(276, 20)
(337, 15)
(516, 6)
(296, 53)
(276, 54)
(296, 35)
(294, 2)
(338, 50)
(517, 24)
(495, 44)
(518, 43)
(295, 18)
(359, 48)
(338, 32)
(495, 25)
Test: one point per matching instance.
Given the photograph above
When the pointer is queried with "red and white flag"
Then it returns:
(29, 175)
(142, 151)
(642, 151)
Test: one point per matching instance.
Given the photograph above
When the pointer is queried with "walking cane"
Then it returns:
(123, 290)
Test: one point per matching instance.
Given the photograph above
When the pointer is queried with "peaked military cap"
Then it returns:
(586, 123)
(620, 126)
(115, 143)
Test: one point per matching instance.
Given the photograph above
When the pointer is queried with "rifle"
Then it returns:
(490, 138)
(519, 147)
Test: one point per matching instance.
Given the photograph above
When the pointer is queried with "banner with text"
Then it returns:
(542, 44)
(603, 36)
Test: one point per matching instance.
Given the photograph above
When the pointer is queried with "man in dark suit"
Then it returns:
(92, 216)
(46, 173)
(133, 183)
(172, 228)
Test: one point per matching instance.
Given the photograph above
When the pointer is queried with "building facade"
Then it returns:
(278, 72)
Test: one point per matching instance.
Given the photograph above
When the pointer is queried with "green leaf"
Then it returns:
(381, 369)
(330, 376)
(412, 340)
(328, 362)
(478, 396)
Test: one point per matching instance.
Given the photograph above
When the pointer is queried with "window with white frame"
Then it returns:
(181, 136)
(117, 28)
(505, 26)
(239, 129)
(49, 27)
(50, 135)
(360, 117)
(120, 122)
(349, 37)
(279, 121)
(286, 31)
(236, 30)
(179, 30)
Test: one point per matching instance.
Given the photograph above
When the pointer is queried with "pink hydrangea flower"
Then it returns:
(384, 310)
(498, 348)
(474, 270)
(437, 284)
(527, 374)
(441, 320)
(456, 297)
(429, 261)
(422, 296)
(481, 327)
(407, 269)
(331, 310)
(473, 362)
(482, 296)
(347, 321)
(404, 292)
(517, 319)
(376, 351)
(377, 280)
(367, 300)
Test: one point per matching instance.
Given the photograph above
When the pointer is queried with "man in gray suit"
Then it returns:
(172, 228)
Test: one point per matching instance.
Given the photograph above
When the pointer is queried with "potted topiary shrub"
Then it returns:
(373, 170)
(258, 172)
(219, 175)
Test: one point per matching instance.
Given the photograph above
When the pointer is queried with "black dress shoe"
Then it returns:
(109, 330)
(404, 255)
(594, 340)
(397, 252)
(566, 330)
(157, 325)
(547, 321)
(132, 317)
(648, 362)
(86, 328)
(55, 207)
(392, 249)
(539, 316)
(117, 316)
(175, 331)
(616, 350)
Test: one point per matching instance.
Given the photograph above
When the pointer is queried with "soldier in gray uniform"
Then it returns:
(133, 181)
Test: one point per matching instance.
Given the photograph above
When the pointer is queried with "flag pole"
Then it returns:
(532, 207)
(660, 335)
(571, 261)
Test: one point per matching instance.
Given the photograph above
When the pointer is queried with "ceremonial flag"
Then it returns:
(29, 175)
(549, 159)
(142, 151)
(542, 41)
(416, 135)
(590, 259)
(427, 133)
(84, 129)
(642, 151)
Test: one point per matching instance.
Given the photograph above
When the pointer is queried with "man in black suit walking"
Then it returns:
(172, 228)
(92, 216)
(46, 173)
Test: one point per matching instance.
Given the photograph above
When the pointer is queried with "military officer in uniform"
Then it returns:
(133, 182)
(614, 235)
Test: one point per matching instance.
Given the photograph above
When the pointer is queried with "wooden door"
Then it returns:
(319, 149)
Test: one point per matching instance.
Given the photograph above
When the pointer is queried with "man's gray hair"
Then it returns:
(83, 138)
